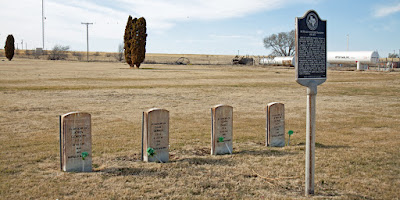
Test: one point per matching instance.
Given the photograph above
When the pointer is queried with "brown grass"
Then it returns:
(151, 58)
(357, 150)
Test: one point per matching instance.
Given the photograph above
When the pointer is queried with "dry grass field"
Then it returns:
(151, 58)
(357, 142)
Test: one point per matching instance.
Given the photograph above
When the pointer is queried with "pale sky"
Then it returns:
(199, 26)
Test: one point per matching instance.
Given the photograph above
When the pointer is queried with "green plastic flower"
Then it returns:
(221, 139)
(150, 151)
(290, 132)
(84, 155)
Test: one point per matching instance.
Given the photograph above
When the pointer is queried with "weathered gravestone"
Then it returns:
(221, 129)
(155, 135)
(76, 142)
(275, 131)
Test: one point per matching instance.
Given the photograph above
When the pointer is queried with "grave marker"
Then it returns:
(310, 72)
(275, 131)
(76, 142)
(221, 129)
(155, 135)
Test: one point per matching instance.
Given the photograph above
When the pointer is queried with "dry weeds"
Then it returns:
(358, 144)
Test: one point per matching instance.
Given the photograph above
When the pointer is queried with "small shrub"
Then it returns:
(59, 53)
(78, 55)
(97, 54)
(28, 52)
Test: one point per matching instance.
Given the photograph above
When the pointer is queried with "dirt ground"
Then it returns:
(357, 142)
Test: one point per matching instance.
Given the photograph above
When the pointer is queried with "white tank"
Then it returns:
(353, 57)
(285, 61)
(267, 61)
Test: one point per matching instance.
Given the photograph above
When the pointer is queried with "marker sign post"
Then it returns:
(310, 72)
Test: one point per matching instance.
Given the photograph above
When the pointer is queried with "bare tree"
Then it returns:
(120, 55)
(282, 44)
(59, 52)
(393, 55)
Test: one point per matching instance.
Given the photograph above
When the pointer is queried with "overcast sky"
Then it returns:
(199, 26)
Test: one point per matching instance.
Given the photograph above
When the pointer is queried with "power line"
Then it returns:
(87, 38)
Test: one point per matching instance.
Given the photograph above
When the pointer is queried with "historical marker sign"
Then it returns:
(310, 49)
(310, 72)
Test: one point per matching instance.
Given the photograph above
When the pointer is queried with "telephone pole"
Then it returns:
(43, 23)
(87, 38)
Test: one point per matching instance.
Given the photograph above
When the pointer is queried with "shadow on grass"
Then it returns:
(141, 68)
(126, 171)
(268, 152)
(323, 146)
(207, 161)
(167, 69)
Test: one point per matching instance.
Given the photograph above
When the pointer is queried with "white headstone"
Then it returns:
(76, 142)
(221, 129)
(275, 134)
(155, 135)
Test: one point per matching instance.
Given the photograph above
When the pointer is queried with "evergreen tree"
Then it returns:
(9, 47)
(127, 39)
(135, 41)
(141, 41)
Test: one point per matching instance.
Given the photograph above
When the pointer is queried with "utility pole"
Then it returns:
(22, 45)
(87, 38)
(43, 23)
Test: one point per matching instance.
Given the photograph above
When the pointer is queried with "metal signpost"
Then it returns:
(310, 72)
